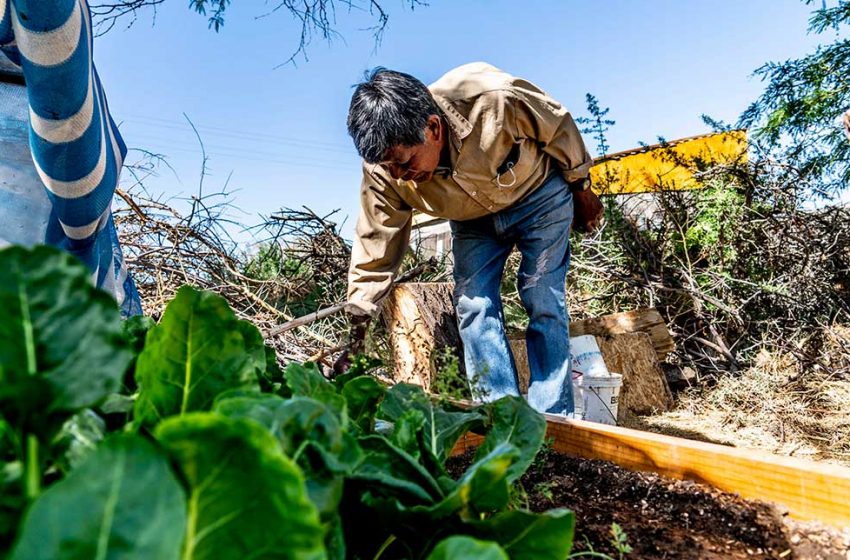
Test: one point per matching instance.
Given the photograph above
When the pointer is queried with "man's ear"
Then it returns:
(434, 128)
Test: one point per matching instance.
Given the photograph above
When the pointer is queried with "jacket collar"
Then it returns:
(458, 124)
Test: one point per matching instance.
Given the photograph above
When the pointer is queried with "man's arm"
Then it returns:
(381, 237)
(536, 115)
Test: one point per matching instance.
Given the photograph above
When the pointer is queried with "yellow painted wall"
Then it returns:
(666, 167)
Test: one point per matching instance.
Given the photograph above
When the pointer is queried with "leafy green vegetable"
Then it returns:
(272, 380)
(198, 350)
(78, 438)
(407, 430)
(135, 328)
(482, 489)
(61, 343)
(530, 536)
(122, 502)
(300, 424)
(513, 421)
(390, 471)
(246, 499)
(310, 433)
(306, 380)
(441, 430)
(465, 548)
(287, 465)
(363, 394)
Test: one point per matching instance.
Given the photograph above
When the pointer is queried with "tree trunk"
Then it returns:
(421, 323)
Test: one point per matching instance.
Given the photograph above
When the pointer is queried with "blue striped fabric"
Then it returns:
(76, 147)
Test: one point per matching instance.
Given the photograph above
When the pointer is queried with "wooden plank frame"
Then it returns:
(806, 489)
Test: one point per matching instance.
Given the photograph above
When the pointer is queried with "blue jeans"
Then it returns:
(539, 227)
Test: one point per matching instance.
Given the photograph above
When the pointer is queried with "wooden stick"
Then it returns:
(306, 319)
(807, 489)
(328, 311)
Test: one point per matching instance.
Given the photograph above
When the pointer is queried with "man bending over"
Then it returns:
(505, 163)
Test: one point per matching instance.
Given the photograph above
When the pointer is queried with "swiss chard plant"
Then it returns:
(186, 440)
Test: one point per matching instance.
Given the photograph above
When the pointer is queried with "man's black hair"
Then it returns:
(388, 109)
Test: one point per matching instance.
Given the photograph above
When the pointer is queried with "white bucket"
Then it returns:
(586, 361)
(600, 398)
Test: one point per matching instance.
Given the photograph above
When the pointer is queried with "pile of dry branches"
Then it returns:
(295, 263)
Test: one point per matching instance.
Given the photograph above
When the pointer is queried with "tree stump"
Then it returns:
(420, 320)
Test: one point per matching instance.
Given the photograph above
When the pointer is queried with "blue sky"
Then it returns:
(279, 134)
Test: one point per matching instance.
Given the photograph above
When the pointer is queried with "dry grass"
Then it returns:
(778, 404)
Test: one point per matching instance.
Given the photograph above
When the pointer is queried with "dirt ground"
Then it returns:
(665, 518)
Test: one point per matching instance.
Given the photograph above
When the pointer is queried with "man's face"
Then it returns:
(417, 163)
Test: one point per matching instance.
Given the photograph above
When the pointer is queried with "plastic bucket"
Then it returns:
(600, 398)
(586, 361)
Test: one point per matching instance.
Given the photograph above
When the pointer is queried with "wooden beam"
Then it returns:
(808, 490)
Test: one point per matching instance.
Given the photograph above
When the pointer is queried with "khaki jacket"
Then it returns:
(506, 135)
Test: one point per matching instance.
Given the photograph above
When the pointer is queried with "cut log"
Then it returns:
(420, 321)
(646, 320)
(644, 390)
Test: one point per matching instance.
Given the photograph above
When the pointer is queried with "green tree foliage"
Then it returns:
(799, 111)
(596, 124)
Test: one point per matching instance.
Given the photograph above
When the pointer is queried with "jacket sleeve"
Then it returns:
(381, 238)
(538, 116)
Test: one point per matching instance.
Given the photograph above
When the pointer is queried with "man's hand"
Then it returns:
(356, 341)
(587, 211)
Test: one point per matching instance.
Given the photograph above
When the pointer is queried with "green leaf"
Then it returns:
(273, 380)
(122, 502)
(363, 395)
(246, 499)
(467, 548)
(300, 424)
(512, 420)
(135, 329)
(78, 438)
(198, 351)
(483, 488)
(61, 343)
(441, 430)
(530, 536)
(306, 380)
(390, 471)
(308, 432)
(255, 347)
(260, 407)
(407, 431)
(12, 502)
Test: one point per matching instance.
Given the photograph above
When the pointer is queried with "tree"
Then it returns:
(317, 17)
(597, 124)
(800, 110)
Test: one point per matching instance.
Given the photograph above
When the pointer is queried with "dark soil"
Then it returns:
(664, 518)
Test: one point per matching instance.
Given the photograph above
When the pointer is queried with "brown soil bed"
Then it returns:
(665, 518)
